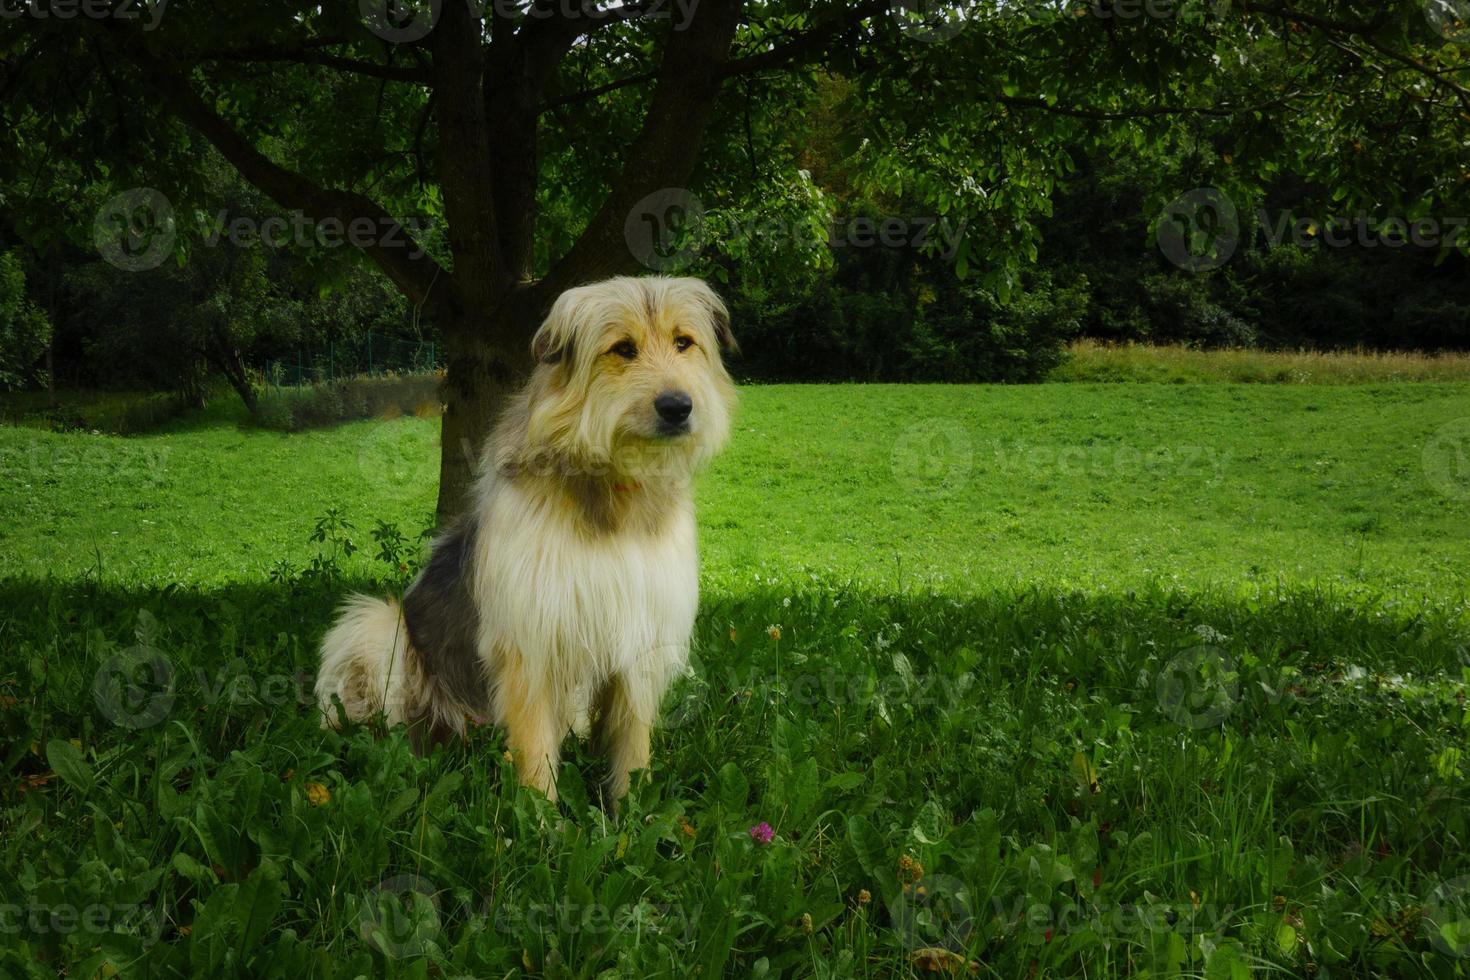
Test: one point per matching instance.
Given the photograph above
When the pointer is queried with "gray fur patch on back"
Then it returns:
(444, 623)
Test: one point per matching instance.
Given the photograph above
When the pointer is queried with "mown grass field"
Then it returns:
(1058, 680)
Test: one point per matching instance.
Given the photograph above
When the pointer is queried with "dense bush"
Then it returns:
(804, 311)
(1268, 294)
(24, 330)
(888, 315)
(327, 403)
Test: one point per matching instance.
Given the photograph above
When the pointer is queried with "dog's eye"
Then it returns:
(681, 344)
(624, 349)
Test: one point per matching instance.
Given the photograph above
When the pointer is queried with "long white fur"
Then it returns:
(365, 663)
(579, 610)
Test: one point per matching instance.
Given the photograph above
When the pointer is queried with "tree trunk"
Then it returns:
(231, 363)
(52, 318)
(489, 359)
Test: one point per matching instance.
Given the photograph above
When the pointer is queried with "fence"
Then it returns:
(354, 359)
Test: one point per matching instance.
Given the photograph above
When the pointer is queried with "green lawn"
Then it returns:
(960, 487)
(1057, 680)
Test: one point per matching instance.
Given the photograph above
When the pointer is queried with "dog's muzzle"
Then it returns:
(673, 409)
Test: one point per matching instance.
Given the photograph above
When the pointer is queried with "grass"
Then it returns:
(1084, 486)
(1090, 360)
(291, 409)
(69, 410)
(1061, 680)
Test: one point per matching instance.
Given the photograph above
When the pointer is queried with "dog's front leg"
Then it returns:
(619, 734)
(534, 727)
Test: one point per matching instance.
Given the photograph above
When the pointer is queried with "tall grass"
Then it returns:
(1090, 360)
(330, 402)
(121, 413)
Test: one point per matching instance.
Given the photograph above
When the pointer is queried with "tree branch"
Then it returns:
(389, 245)
(1367, 34)
(665, 150)
(811, 43)
(466, 173)
(587, 95)
(264, 54)
(1222, 110)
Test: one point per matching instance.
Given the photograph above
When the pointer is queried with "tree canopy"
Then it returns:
(485, 157)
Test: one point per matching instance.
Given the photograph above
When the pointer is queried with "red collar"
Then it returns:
(627, 487)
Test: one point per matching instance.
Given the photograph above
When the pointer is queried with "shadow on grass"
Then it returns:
(50, 629)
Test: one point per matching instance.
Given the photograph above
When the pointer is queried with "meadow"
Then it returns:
(1055, 680)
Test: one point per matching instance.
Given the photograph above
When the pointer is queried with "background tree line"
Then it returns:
(810, 303)
(531, 136)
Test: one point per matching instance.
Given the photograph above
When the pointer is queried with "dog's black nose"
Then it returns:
(673, 406)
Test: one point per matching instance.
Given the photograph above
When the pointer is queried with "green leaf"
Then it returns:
(400, 805)
(845, 781)
(732, 788)
(804, 787)
(195, 871)
(260, 899)
(931, 824)
(868, 846)
(69, 763)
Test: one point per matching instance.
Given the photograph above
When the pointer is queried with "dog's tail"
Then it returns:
(369, 665)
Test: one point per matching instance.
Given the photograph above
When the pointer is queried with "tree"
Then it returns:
(25, 332)
(558, 140)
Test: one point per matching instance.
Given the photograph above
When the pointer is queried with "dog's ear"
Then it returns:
(546, 349)
(719, 316)
(552, 343)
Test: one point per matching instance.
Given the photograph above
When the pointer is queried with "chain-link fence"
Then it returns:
(366, 357)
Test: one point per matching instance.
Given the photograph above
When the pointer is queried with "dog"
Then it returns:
(566, 597)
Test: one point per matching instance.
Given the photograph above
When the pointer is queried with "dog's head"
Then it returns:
(630, 372)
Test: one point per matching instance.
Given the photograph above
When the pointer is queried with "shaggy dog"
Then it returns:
(567, 595)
